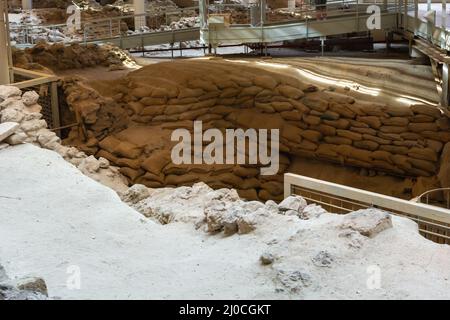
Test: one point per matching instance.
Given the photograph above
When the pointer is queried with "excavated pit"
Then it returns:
(326, 132)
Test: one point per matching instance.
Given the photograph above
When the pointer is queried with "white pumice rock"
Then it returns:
(295, 203)
(7, 129)
(16, 138)
(30, 98)
(9, 91)
(135, 193)
(11, 114)
(368, 222)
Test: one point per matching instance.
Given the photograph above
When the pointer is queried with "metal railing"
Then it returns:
(433, 222)
(438, 197)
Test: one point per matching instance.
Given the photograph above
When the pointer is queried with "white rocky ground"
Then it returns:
(189, 242)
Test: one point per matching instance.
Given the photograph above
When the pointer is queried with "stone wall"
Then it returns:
(318, 123)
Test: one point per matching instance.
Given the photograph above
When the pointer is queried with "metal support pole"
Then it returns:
(4, 46)
(416, 15)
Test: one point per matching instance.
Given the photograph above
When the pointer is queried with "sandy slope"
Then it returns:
(52, 217)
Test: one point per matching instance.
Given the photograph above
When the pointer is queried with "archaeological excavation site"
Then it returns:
(224, 150)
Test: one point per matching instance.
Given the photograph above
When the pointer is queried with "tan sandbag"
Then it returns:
(273, 187)
(157, 161)
(191, 100)
(315, 103)
(358, 163)
(314, 136)
(202, 84)
(393, 129)
(382, 155)
(245, 172)
(424, 165)
(110, 144)
(265, 195)
(423, 153)
(135, 106)
(428, 110)
(248, 194)
(290, 92)
(435, 145)
(190, 93)
(148, 101)
(132, 174)
(401, 161)
(265, 82)
(291, 133)
(177, 180)
(370, 131)
(372, 109)
(343, 110)
(379, 164)
(133, 164)
(420, 127)
(338, 124)
(193, 114)
(366, 144)
(292, 115)
(127, 149)
(230, 93)
(395, 121)
(307, 145)
(399, 111)
(250, 91)
(107, 155)
(176, 109)
(338, 140)
(376, 139)
(390, 136)
(326, 130)
(394, 149)
(421, 118)
(299, 106)
(230, 179)
(265, 107)
(141, 92)
(411, 136)
(326, 149)
(443, 123)
(153, 110)
(282, 106)
(204, 104)
(372, 121)
(330, 115)
(311, 120)
(209, 95)
(337, 97)
(349, 134)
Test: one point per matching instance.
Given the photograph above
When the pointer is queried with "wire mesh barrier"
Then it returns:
(433, 222)
(47, 88)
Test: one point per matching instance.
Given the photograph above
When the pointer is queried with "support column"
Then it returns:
(445, 95)
(27, 4)
(4, 41)
(443, 23)
(291, 5)
(139, 8)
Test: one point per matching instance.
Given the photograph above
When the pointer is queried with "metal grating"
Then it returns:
(433, 230)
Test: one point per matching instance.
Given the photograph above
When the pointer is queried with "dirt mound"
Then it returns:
(314, 123)
(75, 56)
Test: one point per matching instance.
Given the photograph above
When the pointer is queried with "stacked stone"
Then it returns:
(23, 111)
(313, 123)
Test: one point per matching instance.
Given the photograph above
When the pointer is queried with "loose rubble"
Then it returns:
(20, 115)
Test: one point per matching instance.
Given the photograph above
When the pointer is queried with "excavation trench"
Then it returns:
(325, 132)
